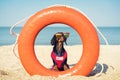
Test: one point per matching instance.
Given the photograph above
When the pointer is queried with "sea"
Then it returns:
(111, 33)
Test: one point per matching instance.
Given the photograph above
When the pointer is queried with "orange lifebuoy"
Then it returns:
(65, 15)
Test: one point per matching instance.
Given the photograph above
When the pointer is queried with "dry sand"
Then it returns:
(107, 67)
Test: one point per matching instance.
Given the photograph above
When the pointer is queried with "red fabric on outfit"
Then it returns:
(59, 60)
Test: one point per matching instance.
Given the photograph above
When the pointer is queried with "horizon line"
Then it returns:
(64, 26)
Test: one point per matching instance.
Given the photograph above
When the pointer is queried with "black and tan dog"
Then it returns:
(59, 54)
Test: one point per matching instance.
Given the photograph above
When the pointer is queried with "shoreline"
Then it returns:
(107, 66)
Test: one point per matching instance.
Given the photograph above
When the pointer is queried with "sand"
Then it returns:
(107, 66)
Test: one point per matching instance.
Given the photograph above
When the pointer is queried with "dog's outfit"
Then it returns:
(59, 60)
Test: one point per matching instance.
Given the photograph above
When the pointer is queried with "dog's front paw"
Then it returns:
(55, 68)
(65, 67)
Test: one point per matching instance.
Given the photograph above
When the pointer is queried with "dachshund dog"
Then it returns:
(59, 54)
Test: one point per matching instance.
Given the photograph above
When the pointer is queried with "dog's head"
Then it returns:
(59, 37)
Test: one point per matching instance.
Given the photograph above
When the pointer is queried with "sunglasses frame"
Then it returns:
(66, 34)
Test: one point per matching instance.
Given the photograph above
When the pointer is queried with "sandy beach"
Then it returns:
(107, 66)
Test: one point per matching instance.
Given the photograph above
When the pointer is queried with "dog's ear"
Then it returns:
(53, 40)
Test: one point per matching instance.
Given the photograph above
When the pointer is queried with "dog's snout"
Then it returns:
(60, 39)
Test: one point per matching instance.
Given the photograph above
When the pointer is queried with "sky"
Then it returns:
(101, 12)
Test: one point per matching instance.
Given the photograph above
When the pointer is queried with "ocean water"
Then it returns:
(112, 34)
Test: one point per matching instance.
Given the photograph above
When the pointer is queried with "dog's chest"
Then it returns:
(59, 59)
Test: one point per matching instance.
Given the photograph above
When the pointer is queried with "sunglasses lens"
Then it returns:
(66, 35)
(58, 35)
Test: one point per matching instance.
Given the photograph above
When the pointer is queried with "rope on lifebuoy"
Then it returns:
(17, 35)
